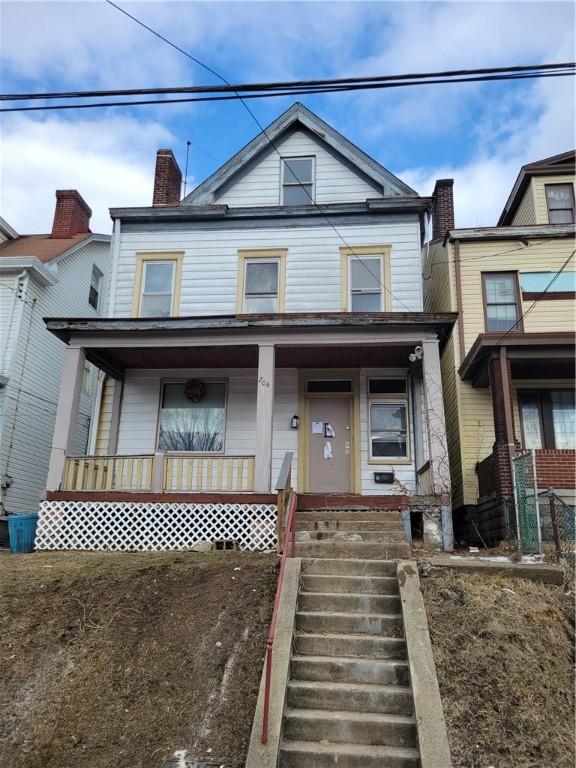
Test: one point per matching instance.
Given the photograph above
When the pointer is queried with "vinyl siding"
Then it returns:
(526, 213)
(260, 184)
(32, 393)
(9, 312)
(210, 264)
(105, 417)
(539, 185)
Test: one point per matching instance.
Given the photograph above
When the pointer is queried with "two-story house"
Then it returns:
(277, 309)
(63, 272)
(508, 369)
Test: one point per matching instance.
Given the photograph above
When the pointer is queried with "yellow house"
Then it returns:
(508, 369)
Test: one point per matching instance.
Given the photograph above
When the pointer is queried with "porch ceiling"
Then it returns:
(117, 360)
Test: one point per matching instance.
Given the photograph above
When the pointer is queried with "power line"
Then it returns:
(290, 92)
(526, 70)
(272, 144)
(536, 300)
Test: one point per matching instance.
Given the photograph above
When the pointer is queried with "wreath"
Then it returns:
(195, 390)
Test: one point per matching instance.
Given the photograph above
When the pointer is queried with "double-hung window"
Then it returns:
(195, 424)
(157, 285)
(501, 301)
(261, 281)
(95, 287)
(548, 418)
(297, 180)
(560, 202)
(365, 283)
(388, 420)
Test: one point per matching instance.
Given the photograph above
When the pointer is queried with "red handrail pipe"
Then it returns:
(290, 530)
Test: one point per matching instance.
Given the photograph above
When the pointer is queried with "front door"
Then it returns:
(329, 444)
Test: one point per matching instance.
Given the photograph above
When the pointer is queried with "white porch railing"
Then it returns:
(183, 472)
(108, 473)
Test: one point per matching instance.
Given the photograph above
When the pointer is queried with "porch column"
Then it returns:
(66, 415)
(437, 440)
(504, 448)
(264, 418)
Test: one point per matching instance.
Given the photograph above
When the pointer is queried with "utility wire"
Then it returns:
(289, 92)
(295, 84)
(539, 298)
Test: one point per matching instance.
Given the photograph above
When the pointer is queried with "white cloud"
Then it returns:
(110, 160)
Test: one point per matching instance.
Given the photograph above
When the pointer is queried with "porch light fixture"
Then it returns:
(294, 422)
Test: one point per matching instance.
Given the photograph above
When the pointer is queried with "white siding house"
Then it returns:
(40, 277)
(277, 308)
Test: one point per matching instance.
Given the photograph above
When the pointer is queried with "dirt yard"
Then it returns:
(504, 656)
(115, 659)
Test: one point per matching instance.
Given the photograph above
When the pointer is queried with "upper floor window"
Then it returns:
(560, 202)
(548, 285)
(501, 310)
(95, 287)
(365, 277)
(157, 286)
(261, 281)
(297, 181)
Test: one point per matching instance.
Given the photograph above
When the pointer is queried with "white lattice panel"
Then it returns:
(124, 526)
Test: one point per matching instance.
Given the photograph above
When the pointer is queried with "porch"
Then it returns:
(530, 378)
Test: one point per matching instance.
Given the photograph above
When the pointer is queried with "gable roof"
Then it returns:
(46, 248)
(298, 116)
(556, 165)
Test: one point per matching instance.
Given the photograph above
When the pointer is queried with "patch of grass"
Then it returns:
(117, 659)
(504, 656)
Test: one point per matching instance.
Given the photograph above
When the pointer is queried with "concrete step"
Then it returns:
(367, 585)
(338, 669)
(350, 524)
(348, 602)
(349, 645)
(399, 550)
(349, 567)
(350, 623)
(312, 754)
(350, 727)
(378, 515)
(351, 697)
(381, 536)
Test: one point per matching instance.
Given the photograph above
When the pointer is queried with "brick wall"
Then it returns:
(556, 468)
(442, 208)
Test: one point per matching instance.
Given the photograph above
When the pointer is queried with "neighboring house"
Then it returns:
(58, 273)
(273, 310)
(508, 370)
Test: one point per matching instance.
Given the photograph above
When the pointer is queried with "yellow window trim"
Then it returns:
(141, 258)
(245, 255)
(347, 253)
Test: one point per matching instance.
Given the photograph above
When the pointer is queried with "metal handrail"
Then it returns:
(288, 544)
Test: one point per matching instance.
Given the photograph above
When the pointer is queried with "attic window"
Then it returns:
(297, 181)
(560, 201)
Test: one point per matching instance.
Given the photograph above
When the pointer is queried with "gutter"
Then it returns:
(33, 266)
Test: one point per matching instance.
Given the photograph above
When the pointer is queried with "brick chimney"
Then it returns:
(72, 214)
(442, 208)
(167, 179)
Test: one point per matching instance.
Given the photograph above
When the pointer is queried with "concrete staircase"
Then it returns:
(353, 532)
(348, 700)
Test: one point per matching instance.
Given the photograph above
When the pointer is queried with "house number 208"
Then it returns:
(264, 382)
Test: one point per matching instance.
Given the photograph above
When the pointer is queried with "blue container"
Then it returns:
(21, 533)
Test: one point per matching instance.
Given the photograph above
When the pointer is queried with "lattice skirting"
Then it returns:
(129, 526)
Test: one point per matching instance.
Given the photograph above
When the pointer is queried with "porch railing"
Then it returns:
(183, 472)
(108, 473)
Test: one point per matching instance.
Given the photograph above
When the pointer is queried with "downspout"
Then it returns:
(114, 268)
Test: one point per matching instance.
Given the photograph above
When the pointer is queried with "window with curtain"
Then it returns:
(548, 418)
(186, 425)
(501, 301)
(560, 201)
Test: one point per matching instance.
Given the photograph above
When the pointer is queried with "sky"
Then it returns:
(478, 134)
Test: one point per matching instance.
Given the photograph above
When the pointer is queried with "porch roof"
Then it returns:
(532, 356)
(307, 340)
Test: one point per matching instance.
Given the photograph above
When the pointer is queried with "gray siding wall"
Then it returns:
(31, 396)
